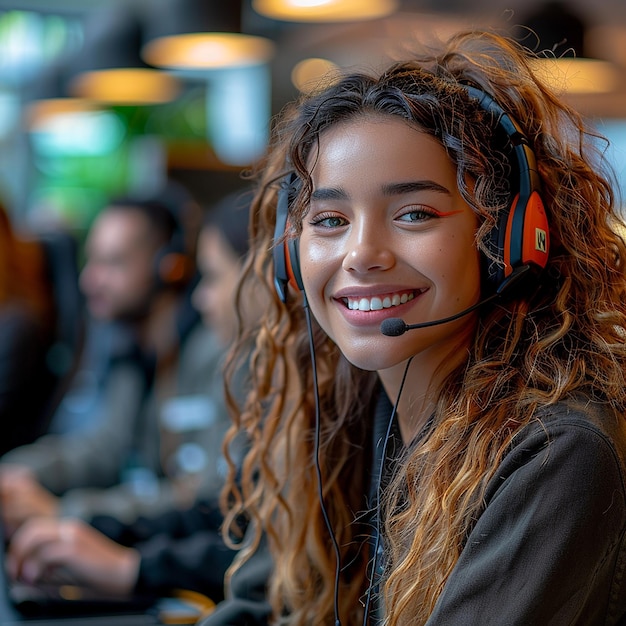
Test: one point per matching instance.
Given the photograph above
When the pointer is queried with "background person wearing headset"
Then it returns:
(160, 369)
(471, 455)
(181, 548)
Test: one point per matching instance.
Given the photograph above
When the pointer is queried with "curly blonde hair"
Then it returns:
(565, 336)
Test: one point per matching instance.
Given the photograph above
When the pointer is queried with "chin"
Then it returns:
(99, 313)
(374, 362)
(366, 367)
(367, 351)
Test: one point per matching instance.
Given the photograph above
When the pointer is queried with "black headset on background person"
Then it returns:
(173, 266)
(174, 262)
(520, 240)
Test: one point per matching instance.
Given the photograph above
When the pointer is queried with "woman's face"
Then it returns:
(388, 235)
(214, 296)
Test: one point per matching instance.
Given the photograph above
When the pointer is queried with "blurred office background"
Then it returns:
(73, 134)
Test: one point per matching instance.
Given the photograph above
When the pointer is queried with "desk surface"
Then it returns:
(104, 620)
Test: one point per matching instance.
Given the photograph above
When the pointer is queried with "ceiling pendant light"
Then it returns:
(576, 76)
(325, 10)
(202, 40)
(110, 69)
(201, 34)
(126, 86)
(208, 50)
(46, 96)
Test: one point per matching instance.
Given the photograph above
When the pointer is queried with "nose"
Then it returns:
(92, 277)
(85, 278)
(368, 250)
(200, 297)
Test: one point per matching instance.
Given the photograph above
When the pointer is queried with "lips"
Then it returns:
(378, 302)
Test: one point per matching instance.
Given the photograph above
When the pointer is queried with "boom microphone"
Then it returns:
(394, 326)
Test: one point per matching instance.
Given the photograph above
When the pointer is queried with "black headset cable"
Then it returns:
(318, 469)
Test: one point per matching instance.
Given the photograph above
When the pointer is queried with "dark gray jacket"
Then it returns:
(549, 548)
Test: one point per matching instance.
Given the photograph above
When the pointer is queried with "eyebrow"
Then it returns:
(391, 189)
(396, 189)
(329, 193)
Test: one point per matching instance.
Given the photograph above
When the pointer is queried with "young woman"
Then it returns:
(463, 464)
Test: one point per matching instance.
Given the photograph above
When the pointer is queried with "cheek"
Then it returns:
(199, 298)
(318, 262)
(122, 281)
(138, 281)
(222, 303)
(219, 298)
(456, 261)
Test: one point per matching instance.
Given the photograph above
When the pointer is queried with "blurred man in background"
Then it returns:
(152, 438)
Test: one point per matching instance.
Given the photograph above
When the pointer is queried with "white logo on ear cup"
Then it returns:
(540, 240)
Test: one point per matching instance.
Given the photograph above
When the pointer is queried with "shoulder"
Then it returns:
(19, 331)
(17, 319)
(549, 544)
(201, 347)
(590, 430)
(576, 449)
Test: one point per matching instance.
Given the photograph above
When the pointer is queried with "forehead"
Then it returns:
(119, 230)
(373, 148)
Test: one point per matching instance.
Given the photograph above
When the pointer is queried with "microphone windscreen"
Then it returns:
(393, 327)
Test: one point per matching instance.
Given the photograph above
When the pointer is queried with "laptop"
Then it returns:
(66, 601)
(22, 604)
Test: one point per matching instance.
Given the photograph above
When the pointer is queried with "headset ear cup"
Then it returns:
(286, 256)
(292, 262)
(536, 243)
(521, 241)
(526, 235)
(287, 268)
(173, 268)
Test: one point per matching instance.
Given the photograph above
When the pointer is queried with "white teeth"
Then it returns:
(376, 303)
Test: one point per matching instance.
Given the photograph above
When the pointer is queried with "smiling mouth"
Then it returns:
(378, 303)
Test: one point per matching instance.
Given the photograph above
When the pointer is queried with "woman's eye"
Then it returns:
(328, 221)
(416, 215)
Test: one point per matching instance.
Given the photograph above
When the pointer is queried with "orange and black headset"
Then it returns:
(520, 241)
